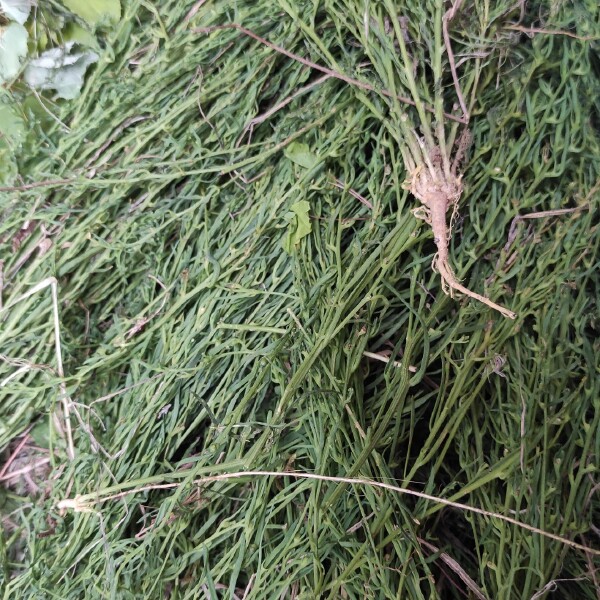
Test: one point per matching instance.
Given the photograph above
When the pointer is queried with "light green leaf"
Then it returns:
(16, 10)
(95, 12)
(301, 155)
(74, 33)
(13, 49)
(58, 69)
(12, 126)
(299, 225)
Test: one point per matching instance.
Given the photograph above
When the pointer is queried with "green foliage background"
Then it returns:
(194, 345)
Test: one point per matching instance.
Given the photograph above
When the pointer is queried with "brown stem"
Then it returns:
(35, 184)
(437, 208)
(448, 16)
(318, 67)
(534, 30)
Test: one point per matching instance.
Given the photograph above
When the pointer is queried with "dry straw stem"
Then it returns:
(539, 30)
(86, 502)
(448, 560)
(330, 72)
(64, 397)
(34, 185)
(24, 440)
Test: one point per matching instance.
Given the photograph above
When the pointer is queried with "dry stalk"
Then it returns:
(86, 503)
(63, 428)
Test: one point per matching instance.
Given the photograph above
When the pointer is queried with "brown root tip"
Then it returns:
(449, 282)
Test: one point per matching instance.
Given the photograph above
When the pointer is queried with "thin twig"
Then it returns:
(249, 128)
(35, 184)
(192, 12)
(15, 453)
(83, 503)
(24, 470)
(115, 134)
(63, 388)
(321, 68)
(551, 586)
(386, 359)
(448, 16)
(65, 400)
(340, 184)
(453, 564)
(535, 30)
(14, 375)
(48, 111)
(551, 213)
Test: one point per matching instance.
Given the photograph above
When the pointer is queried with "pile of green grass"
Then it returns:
(194, 345)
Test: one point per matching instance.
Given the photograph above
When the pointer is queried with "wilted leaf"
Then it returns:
(95, 12)
(301, 155)
(13, 49)
(16, 10)
(299, 225)
(58, 69)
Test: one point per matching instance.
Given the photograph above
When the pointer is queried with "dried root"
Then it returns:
(438, 192)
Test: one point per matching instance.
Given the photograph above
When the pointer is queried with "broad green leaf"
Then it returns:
(58, 69)
(95, 12)
(16, 10)
(13, 49)
(299, 225)
(301, 155)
